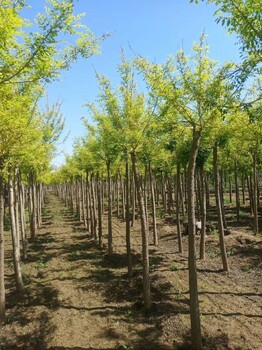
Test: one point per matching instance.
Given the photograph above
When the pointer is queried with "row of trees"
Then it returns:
(191, 117)
(30, 58)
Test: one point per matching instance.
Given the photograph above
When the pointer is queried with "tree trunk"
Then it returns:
(99, 211)
(144, 231)
(127, 216)
(237, 193)
(178, 186)
(153, 204)
(22, 216)
(16, 252)
(219, 211)
(93, 206)
(2, 252)
(256, 227)
(193, 285)
(203, 214)
(109, 217)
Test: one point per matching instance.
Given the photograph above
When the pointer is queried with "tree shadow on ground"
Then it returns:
(38, 294)
(209, 342)
(30, 314)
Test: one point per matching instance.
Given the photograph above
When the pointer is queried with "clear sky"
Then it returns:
(154, 29)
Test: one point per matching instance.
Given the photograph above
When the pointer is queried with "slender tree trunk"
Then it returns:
(237, 193)
(207, 191)
(109, 217)
(99, 211)
(93, 206)
(22, 216)
(87, 203)
(133, 200)
(221, 191)
(193, 285)
(153, 204)
(128, 236)
(255, 206)
(178, 186)
(219, 211)
(16, 252)
(144, 231)
(2, 252)
(243, 189)
(203, 214)
(230, 189)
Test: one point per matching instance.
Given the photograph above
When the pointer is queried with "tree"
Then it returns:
(194, 93)
(40, 55)
(243, 17)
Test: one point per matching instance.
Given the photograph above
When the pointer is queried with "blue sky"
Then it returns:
(154, 29)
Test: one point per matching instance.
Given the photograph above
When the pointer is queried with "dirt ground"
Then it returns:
(76, 297)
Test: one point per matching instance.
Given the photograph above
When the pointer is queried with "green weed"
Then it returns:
(160, 213)
(246, 267)
(233, 251)
(41, 263)
(175, 267)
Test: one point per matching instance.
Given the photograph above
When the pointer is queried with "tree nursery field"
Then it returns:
(148, 235)
(78, 297)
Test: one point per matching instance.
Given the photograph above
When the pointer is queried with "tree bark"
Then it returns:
(255, 204)
(193, 285)
(2, 252)
(237, 193)
(219, 211)
(203, 214)
(144, 231)
(178, 186)
(153, 204)
(109, 217)
(127, 217)
(16, 252)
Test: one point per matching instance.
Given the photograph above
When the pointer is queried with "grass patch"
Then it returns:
(246, 267)
(175, 267)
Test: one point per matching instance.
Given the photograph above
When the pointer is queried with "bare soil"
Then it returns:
(77, 297)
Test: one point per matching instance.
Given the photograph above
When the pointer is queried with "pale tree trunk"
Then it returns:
(127, 218)
(193, 283)
(255, 185)
(207, 191)
(144, 231)
(2, 252)
(221, 191)
(72, 195)
(153, 204)
(93, 202)
(133, 200)
(99, 211)
(181, 194)
(87, 203)
(237, 192)
(32, 208)
(203, 214)
(219, 211)
(178, 186)
(22, 216)
(16, 252)
(250, 194)
(117, 196)
(145, 196)
(83, 201)
(230, 189)
(122, 188)
(243, 189)
(109, 217)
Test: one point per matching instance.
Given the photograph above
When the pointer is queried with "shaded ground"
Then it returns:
(78, 298)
